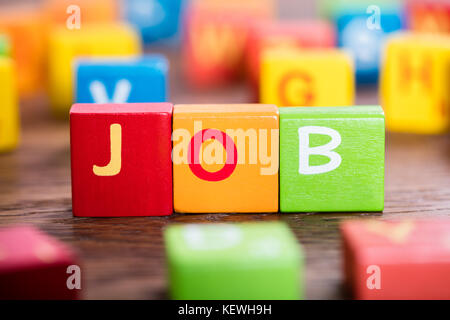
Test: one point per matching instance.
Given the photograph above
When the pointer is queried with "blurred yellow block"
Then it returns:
(91, 40)
(415, 83)
(9, 110)
(293, 77)
(25, 28)
(91, 11)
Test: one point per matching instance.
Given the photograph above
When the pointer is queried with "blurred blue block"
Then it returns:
(122, 80)
(155, 19)
(364, 41)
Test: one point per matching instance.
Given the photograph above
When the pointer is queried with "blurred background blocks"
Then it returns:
(121, 159)
(428, 15)
(105, 40)
(415, 82)
(295, 77)
(9, 106)
(332, 159)
(401, 260)
(34, 265)
(122, 80)
(225, 158)
(247, 261)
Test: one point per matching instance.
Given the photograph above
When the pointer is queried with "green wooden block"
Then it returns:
(332, 159)
(244, 261)
(4, 45)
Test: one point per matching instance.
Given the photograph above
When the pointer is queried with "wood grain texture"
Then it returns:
(124, 257)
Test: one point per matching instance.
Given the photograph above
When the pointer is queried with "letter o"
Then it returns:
(197, 169)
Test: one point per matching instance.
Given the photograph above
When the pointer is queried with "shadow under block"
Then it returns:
(121, 159)
(225, 158)
(292, 77)
(284, 34)
(247, 261)
(122, 80)
(332, 159)
(415, 83)
(99, 40)
(215, 37)
(397, 260)
(34, 265)
(9, 106)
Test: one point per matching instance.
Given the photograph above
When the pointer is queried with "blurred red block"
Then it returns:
(121, 159)
(215, 39)
(25, 27)
(397, 260)
(34, 265)
(428, 15)
(293, 34)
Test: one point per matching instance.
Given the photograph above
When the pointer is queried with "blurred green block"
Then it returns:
(244, 261)
(332, 159)
(331, 9)
(5, 48)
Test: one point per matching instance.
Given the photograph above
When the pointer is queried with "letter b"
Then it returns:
(325, 150)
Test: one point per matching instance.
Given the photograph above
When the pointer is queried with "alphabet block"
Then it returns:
(89, 41)
(155, 19)
(25, 29)
(397, 260)
(428, 15)
(225, 158)
(34, 265)
(295, 34)
(122, 80)
(9, 112)
(415, 82)
(216, 34)
(234, 261)
(307, 78)
(62, 12)
(332, 159)
(121, 159)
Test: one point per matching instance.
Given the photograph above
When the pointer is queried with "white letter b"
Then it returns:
(326, 150)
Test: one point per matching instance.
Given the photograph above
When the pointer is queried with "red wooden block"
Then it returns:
(276, 34)
(121, 159)
(215, 38)
(429, 15)
(397, 260)
(34, 265)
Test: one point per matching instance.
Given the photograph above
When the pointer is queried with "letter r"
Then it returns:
(325, 150)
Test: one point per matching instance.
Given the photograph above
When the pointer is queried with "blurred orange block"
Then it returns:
(311, 78)
(91, 40)
(9, 108)
(415, 82)
(429, 15)
(281, 34)
(225, 158)
(215, 38)
(91, 11)
(24, 26)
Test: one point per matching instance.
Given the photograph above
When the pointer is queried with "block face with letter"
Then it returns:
(428, 15)
(9, 106)
(34, 265)
(122, 80)
(234, 261)
(397, 260)
(415, 82)
(121, 159)
(332, 159)
(104, 40)
(225, 158)
(307, 78)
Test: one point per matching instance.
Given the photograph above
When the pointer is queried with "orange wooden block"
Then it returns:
(25, 29)
(90, 11)
(215, 39)
(225, 158)
(428, 15)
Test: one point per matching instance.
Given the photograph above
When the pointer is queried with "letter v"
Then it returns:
(121, 92)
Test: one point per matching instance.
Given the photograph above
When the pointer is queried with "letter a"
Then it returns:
(326, 150)
(115, 164)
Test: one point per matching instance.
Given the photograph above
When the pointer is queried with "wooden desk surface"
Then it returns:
(123, 258)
